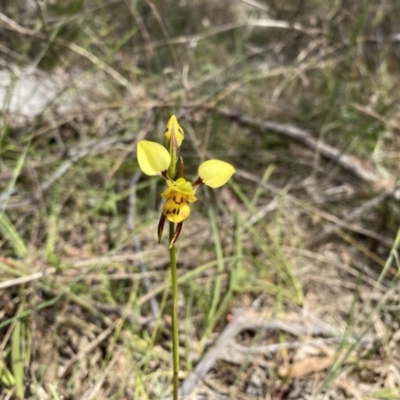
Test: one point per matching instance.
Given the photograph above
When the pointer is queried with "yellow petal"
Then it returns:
(181, 186)
(173, 128)
(215, 173)
(152, 157)
(167, 193)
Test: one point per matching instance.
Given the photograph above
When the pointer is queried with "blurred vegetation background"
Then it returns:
(300, 248)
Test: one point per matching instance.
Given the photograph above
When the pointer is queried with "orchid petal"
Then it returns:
(215, 173)
(152, 157)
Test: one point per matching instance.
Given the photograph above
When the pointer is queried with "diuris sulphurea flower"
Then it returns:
(155, 159)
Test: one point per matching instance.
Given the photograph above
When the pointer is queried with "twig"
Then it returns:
(8, 23)
(347, 162)
(75, 156)
(93, 391)
(329, 232)
(121, 312)
(165, 34)
(323, 214)
(142, 27)
(254, 23)
(90, 347)
(385, 187)
(241, 321)
(114, 258)
(26, 279)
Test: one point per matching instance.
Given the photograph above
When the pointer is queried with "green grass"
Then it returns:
(123, 67)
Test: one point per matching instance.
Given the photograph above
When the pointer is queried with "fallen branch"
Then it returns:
(330, 231)
(352, 226)
(241, 321)
(75, 155)
(377, 182)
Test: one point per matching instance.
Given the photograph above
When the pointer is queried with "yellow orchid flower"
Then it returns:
(155, 159)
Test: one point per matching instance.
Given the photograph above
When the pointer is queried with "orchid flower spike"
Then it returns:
(154, 159)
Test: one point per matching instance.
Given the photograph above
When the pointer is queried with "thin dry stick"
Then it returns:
(6, 175)
(329, 232)
(142, 27)
(165, 34)
(93, 392)
(90, 347)
(260, 23)
(76, 154)
(310, 208)
(122, 311)
(115, 258)
(8, 23)
(28, 278)
(349, 163)
(386, 187)
(241, 321)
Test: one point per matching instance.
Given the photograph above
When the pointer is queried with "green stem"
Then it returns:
(175, 338)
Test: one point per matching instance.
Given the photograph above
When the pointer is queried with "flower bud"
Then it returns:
(173, 138)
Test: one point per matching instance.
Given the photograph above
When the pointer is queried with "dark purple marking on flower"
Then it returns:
(176, 234)
(176, 201)
(160, 227)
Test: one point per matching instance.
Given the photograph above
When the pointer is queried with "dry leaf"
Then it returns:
(305, 367)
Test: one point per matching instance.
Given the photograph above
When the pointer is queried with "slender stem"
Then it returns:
(175, 338)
